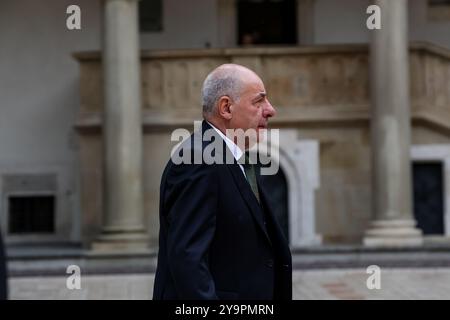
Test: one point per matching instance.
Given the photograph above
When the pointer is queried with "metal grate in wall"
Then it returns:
(31, 214)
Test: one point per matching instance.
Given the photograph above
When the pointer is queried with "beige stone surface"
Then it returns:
(320, 91)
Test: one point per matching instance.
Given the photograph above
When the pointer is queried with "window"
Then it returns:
(439, 2)
(267, 22)
(150, 15)
(31, 214)
(439, 10)
(30, 206)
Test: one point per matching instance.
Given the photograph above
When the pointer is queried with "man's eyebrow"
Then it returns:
(260, 95)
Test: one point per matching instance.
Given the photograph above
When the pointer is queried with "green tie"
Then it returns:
(250, 174)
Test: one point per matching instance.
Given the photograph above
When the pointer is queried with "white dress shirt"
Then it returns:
(234, 148)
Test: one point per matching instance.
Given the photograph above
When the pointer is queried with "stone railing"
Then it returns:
(305, 84)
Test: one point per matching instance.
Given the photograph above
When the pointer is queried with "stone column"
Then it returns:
(394, 223)
(123, 223)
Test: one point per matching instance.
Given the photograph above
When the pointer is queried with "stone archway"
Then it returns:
(299, 160)
(276, 187)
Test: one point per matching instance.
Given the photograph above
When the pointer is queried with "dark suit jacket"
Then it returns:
(216, 241)
(3, 278)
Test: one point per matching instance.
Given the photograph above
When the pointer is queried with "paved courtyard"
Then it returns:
(417, 283)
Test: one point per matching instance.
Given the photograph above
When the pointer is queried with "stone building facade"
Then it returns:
(354, 169)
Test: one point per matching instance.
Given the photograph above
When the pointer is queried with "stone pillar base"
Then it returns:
(121, 242)
(393, 233)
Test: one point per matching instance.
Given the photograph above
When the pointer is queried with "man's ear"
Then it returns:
(224, 107)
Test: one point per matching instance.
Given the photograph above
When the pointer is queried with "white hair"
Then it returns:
(222, 81)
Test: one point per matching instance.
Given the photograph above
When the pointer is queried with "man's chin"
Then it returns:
(261, 134)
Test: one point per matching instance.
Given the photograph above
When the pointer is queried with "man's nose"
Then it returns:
(269, 110)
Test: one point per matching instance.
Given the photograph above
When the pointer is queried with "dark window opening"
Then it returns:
(276, 187)
(439, 3)
(150, 15)
(31, 214)
(267, 22)
(429, 197)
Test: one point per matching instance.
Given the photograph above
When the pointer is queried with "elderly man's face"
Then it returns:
(253, 109)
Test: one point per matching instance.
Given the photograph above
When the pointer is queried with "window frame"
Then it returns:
(438, 12)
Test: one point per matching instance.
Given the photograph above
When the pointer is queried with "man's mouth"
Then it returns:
(262, 126)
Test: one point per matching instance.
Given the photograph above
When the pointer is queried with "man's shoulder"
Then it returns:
(197, 150)
(188, 159)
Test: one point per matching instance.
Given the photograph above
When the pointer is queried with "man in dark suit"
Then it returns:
(3, 278)
(218, 236)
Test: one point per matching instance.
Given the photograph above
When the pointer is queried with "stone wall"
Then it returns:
(321, 92)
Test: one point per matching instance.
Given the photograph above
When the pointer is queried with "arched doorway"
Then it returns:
(276, 187)
(290, 182)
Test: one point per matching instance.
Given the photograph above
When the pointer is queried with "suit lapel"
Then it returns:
(239, 179)
(270, 213)
(249, 197)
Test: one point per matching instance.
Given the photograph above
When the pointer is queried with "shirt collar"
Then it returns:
(234, 148)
